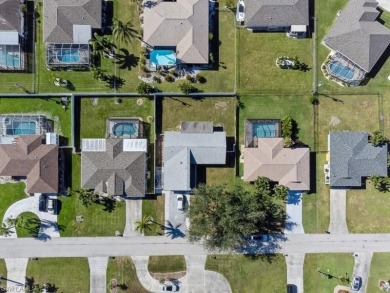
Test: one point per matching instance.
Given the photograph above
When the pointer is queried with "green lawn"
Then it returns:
(32, 227)
(97, 221)
(122, 269)
(246, 275)
(379, 270)
(3, 273)
(339, 265)
(368, 210)
(256, 63)
(154, 206)
(50, 107)
(9, 194)
(166, 264)
(68, 274)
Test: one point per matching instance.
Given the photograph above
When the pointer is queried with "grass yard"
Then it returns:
(256, 63)
(123, 271)
(379, 270)
(9, 194)
(246, 275)
(3, 273)
(348, 112)
(68, 274)
(97, 221)
(50, 107)
(154, 206)
(31, 229)
(337, 264)
(166, 264)
(368, 210)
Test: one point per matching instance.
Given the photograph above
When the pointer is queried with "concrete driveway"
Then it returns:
(338, 212)
(133, 214)
(97, 274)
(294, 213)
(16, 274)
(174, 218)
(294, 263)
(48, 227)
(362, 268)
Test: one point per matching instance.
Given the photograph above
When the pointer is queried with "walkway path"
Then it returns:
(97, 274)
(338, 211)
(362, 268)
(133, 214)
(48, 227)
(294, 213)
(294, 263)
(16, 274)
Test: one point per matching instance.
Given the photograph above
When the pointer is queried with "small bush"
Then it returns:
(174, 73)
(189, 78)
(200, 78)
(144, 88)
(169, 78)
(313, 100)
(187, 88)
(157, 79)
(142, 61)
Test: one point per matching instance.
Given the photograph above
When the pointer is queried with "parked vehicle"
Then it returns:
(356, 283)
(259, 237)
(42, 203)
(169, 288)
(180, 202)
(51, 206)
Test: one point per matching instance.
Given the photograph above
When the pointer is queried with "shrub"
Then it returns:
(189, 78)
(187, 88)
(157, 79)
(169, 78)
(200, 78)
(313, 100)
(174, 73)
(144, 88)
(287, 127)
(142, 61)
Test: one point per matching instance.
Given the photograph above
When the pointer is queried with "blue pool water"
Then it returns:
(69, 56)
(22, 128)
(9, 60)
(264, 129)
(163, 57)
(339, 70)
(121, 129)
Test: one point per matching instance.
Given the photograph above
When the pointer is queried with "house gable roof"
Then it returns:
(182, 24)
(10, 16)
(289, 167)
(353, 157)
(276, 12)
(29, 157)
(357, 35)
(113, 170)
(60, 16)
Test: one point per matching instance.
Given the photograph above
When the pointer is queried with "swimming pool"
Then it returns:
(9, 60)
(265, 129)
(341, 71)
(22, 128)
(163, 57)
(125, 128)
(69, 56)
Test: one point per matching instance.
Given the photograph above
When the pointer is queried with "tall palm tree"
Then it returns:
(124, 32)
(100, 45)
(143, 225)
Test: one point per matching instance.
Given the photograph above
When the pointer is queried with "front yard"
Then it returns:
(9, 194)
(378, 271)
(3, 273)
(67, 274)
(154, 206)
(246, 275)
(166, 264)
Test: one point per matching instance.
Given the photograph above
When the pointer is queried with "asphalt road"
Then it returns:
(145, 246)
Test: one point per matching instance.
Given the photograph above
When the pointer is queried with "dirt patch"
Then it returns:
(221, 105)
(140, 102)
(341, 289)
(168, 276)
(334, 121)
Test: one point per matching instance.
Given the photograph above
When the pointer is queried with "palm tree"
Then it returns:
(124, 32)
(144, 224)
(100, 45)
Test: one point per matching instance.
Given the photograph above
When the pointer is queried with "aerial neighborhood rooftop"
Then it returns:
(194, 146)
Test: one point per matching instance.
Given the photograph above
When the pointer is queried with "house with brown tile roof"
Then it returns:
(287, 166)
(183, 24)
(28, 157)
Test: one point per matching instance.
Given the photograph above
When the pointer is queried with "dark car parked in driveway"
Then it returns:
(42, 203)
(356, 283)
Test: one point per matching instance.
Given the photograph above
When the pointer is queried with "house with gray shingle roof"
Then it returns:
(181, 25)
(196, 144)
(67, 28)
(277, 15)
(114, 166)
(357, 40)
(11, 34)
(353, 158)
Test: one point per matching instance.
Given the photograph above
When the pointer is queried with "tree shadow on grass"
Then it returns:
(126, 60)
(109, 204)
(114, 82)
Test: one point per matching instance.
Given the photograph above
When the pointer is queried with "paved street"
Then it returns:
(157, 245)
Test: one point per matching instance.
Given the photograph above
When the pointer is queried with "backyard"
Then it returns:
(317, 266)
(123, 271)
(67, 274)
(246, 275)
(378, 271)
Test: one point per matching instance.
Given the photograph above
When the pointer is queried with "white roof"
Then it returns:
(9, 38)
(81, 34)
(51, 138)
(298, 28)
(93, 145)
(135, 145)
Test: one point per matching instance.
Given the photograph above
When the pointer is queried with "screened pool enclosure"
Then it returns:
(66, 55)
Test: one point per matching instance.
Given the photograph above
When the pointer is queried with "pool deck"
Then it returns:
(250, 139)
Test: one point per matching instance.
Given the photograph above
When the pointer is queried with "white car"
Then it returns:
(51, 206)
(169, 288)
(180, 202)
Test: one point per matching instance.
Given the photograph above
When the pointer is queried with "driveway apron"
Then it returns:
(362, 268)
(294, 213)
(133, 214)
(16, 274)
(97, 274)
(338, 213)
(294, 263)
